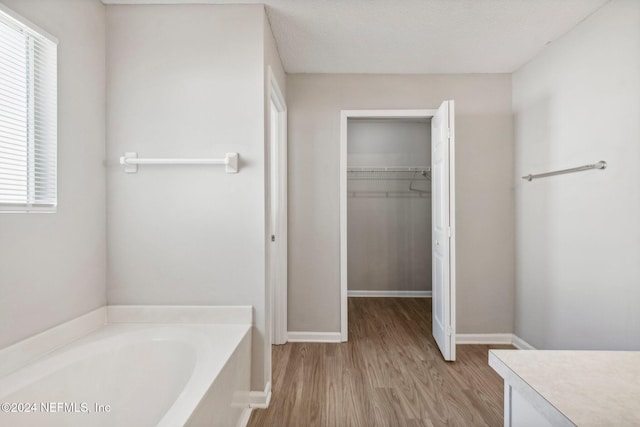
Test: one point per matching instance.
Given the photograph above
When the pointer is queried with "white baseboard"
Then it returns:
(313, 336)
(487, 339)
(244, 417)
(260, 399)
(390, 294)
(521, 344)
(484, 338)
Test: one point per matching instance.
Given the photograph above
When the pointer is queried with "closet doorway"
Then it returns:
(397, 177)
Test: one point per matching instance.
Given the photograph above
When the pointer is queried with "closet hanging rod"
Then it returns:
(130, 161)
(599, 165)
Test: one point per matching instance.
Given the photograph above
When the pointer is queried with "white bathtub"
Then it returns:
(142, 373)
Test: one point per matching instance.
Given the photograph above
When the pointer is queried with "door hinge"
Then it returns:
(273, 238)
(449, 330)
(449, 133)
(450, 232)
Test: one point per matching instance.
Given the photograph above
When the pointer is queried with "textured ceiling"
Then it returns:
(412, 36)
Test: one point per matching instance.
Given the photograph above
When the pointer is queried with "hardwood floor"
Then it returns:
(390, 373)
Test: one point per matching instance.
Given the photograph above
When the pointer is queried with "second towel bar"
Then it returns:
(600, 165)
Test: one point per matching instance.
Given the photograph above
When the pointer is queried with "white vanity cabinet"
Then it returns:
(569, 388)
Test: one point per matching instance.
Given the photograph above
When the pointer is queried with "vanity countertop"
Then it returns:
(583, 388)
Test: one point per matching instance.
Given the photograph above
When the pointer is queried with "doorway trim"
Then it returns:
(345, 115)
(278, 293)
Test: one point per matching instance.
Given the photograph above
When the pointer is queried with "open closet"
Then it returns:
(397, 211)
(389, 207)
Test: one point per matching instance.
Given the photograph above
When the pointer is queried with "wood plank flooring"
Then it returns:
(390, 373)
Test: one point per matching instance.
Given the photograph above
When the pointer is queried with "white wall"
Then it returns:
(188, 81)
(52, 266)
(484, 171)
(388, 142)
(578, 235)
(388, 226)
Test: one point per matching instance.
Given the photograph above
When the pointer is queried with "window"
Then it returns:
(28, 116)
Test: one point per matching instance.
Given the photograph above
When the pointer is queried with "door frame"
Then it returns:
(278, 293)
(345, 115)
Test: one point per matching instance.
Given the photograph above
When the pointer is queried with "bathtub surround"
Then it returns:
(484, 196)
(578, 235)
(205, 367)
(26, 351)
(53, 266)
(189, 81)
(30, 349)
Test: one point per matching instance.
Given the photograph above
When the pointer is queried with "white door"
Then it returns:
(277, 214)
(273, 220)
(442, 198)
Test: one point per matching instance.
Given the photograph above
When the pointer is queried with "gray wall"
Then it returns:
(52, 266)
(388, 226)
(484, 171)
(188, 81)
(578, 235)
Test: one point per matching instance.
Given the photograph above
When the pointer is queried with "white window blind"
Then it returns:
(28, 116)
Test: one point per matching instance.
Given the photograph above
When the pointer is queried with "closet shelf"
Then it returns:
(389, 194)
(389, 173)
(391, 169)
